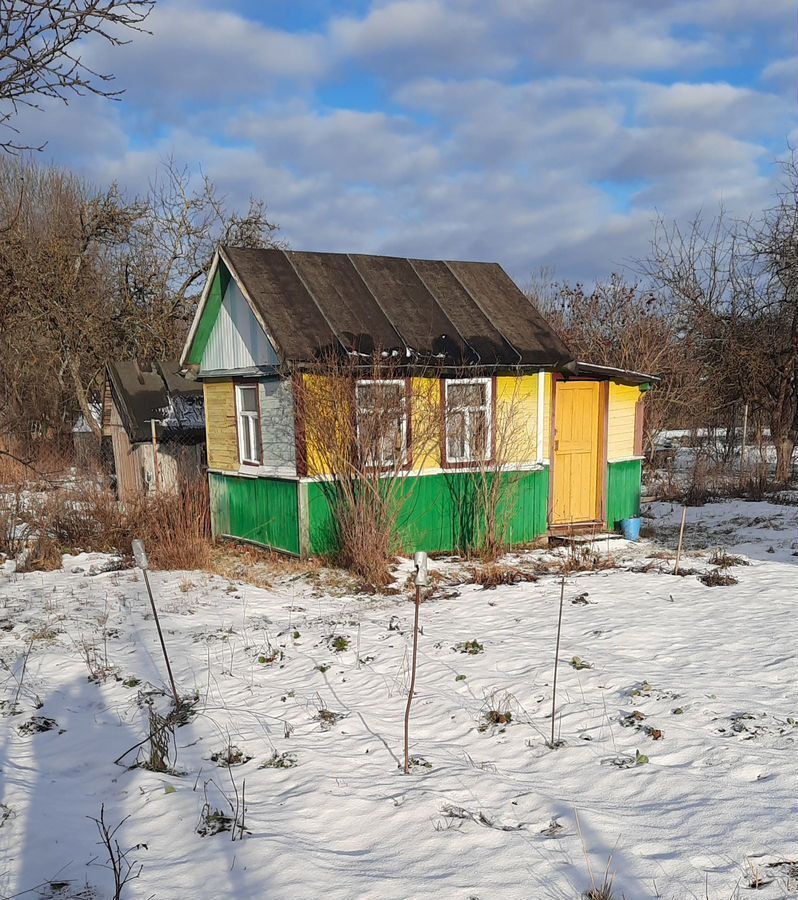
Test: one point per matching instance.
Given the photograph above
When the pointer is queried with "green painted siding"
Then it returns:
(440, 513)
(221, 278)
(623, 491)
(262, 510)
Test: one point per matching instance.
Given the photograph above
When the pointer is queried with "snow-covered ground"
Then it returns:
(700, 681)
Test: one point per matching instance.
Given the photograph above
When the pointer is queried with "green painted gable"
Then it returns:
(219, 282)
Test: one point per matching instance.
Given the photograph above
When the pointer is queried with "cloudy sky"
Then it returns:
(532, 132)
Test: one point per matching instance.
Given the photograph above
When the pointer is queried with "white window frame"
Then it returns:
(248, 422)
(468, 458)
(382, 464)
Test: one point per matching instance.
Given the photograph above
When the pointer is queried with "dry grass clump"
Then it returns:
(174, 525)
(725, 560)
(580, 557)
(258, 566)
(494, 574)
(717, 578)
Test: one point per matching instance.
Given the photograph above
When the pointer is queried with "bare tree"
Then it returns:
(90, 275)
(183, 221)
(57, 292)
(735, 289)
(40, 55)
(618, 323)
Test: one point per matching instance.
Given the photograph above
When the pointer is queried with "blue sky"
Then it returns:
(538, 133)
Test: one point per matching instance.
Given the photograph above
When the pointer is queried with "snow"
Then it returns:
(712, 668)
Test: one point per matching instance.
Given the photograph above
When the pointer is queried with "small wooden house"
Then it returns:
(155, 420)
(463, 334)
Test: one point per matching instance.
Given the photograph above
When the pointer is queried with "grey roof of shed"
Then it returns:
(156, 391)
(443, 313)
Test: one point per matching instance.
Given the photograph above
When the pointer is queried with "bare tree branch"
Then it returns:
(40, 51)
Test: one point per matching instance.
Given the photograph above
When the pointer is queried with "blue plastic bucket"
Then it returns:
(631, 528)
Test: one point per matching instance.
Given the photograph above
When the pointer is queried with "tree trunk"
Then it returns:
(784, 451)
(82, 398)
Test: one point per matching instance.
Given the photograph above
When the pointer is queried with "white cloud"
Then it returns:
(434, 35)
(527, 131)
(201, 55)
(719, 106)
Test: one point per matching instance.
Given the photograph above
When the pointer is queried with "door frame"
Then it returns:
(601, 439)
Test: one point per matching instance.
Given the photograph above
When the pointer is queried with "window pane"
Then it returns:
(254, 439)
(474, 395)
(466, 396)
(455, 435)
(365, 396)
(248, 399)
(381, 417)
(456, 395)
(478, 438)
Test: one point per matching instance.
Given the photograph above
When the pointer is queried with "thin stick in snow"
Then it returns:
(412, 680)
(141, 561)
(681, 538)
(420, 560)
(552, 743)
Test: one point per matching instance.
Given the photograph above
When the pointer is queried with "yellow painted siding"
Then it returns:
(548, 383)
(220, 425)
(621, 421)
(325, 411)
(516, 419)
(516, 426)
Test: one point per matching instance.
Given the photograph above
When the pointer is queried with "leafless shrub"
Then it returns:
(215, 821)
(95, 657)
(371, 421)
(123, 868)
(357, 420)
(11, 528)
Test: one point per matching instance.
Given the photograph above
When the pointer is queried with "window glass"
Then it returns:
(249, 445)
(381, 422)
(468, 421)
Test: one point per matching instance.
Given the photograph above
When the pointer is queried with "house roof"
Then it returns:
(429, 311)
(610, 373)
(156, 391)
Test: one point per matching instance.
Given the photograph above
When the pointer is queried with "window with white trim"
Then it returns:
(248, 414)
(382, 423)
(467, 420)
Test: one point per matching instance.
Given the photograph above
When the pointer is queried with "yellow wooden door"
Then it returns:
(576, 453)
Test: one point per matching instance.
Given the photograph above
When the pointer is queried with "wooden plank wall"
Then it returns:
(220, 425)
(621, 424)
(129, 480)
